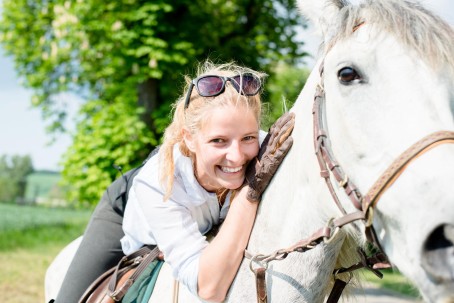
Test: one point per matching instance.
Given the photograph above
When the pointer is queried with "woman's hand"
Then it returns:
(271, 154)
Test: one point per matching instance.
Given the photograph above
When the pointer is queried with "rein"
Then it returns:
(364, 204)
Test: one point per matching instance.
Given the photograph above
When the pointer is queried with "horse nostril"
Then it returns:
(438, 254)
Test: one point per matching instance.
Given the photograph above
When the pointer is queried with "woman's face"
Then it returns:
(226, 142)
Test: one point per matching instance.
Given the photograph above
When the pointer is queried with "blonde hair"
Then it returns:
(193, 117)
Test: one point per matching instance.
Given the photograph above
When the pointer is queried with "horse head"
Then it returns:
(388, 80)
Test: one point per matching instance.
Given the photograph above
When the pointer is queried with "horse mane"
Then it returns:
(418, 29)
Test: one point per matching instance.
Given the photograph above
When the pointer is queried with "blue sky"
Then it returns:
(22, 129)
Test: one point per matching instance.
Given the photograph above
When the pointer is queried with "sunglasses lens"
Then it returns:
(250, 84)
(210, 86)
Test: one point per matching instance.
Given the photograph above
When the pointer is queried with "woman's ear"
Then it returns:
(188, 140)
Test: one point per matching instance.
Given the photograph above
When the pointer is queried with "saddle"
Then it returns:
(131, 280)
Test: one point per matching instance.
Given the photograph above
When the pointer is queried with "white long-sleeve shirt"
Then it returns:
(178, 225)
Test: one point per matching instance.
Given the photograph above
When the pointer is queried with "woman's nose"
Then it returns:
(235, 153)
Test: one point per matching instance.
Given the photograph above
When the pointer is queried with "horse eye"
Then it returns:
(348, 75)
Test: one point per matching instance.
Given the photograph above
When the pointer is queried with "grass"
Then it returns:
(23, 270)
(394, 281)
(15, 217)
(30, 238)
(28, 226)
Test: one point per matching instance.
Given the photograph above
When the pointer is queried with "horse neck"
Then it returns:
(297, 190)
(292, 210)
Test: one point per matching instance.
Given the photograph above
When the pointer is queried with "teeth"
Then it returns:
(231, 169)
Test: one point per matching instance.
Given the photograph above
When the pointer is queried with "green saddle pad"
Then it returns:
(141, 290)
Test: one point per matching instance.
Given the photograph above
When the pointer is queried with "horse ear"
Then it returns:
(321, 13)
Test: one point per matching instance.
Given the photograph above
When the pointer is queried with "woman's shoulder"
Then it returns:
(186, 190)
(152, 166)
(185, 180)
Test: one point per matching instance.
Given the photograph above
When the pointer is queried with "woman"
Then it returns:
(197, 180)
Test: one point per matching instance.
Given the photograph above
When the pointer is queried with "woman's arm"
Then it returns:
(221, 259)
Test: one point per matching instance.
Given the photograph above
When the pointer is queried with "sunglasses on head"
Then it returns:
(213, 85)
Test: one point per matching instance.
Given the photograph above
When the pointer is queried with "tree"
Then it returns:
(13, 171)
(126, 58)
(283, 87)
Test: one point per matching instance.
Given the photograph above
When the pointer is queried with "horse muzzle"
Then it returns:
(438, 254)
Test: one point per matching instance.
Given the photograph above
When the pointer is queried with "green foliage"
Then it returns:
(8, 190)
(126, 59)
(13, 171)
(283, 87)
(111, 134)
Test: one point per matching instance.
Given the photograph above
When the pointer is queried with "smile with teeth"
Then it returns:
(231, 169)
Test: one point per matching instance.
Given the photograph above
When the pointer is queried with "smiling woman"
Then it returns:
(209, 170)
(228, 141)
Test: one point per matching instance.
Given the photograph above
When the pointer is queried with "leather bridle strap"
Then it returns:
(321, 235)
(327, 162)
(370, 200)
(399, 165)
(260, 284)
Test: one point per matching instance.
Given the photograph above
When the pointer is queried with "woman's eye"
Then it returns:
(249, 138)
(217, 140)
(348, 75)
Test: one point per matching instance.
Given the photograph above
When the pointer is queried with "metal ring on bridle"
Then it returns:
(369, 217)
(262, 264)
(344, 181)
(350, 275)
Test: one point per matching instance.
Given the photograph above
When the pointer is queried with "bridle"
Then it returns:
(364, 204)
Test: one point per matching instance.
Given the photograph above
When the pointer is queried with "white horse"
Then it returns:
(388, 76)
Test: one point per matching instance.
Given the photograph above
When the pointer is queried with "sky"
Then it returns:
(22, 129)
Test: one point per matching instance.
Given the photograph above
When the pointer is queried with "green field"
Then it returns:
(392, 280)
(30, 237)
(28, 226)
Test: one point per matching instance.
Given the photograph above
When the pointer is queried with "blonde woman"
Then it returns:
(209, 170)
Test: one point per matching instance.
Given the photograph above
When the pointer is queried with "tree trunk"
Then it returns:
(148, 98)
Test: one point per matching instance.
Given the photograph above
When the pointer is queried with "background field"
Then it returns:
(30, 237)
(43, 188)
